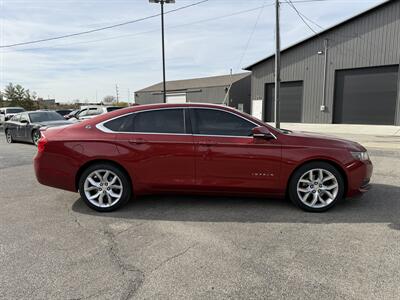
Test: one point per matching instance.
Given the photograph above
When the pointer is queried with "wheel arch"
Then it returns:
(331, 162)
(100, 161)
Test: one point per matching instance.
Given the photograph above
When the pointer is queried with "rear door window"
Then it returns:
(160, 121)
(156, 121)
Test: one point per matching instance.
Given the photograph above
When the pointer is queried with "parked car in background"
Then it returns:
(63, 112)
(6, 113)
(201, 149)
(71, 114)
(25, 127)
(89, 112)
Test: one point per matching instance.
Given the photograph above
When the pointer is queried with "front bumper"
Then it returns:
(359, 176)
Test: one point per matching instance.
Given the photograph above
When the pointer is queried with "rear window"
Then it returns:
(14, 110)
(45, 116)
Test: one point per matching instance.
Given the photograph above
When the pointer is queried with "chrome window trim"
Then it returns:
(100, 126)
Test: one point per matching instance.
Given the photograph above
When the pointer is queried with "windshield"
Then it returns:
(44, 116)
(14, 110)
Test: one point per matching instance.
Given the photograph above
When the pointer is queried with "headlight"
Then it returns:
(360, 155)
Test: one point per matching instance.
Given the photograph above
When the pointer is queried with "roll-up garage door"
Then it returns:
(291, 99)
(366, 96)
(176, 98)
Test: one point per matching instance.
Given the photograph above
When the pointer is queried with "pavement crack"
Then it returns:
(126, 270)
(174, 257)
(133, 276)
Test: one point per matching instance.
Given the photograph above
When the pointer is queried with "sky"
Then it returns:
(201, 40)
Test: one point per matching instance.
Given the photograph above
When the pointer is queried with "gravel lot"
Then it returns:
(53, 247)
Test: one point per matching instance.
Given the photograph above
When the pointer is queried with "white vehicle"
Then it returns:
(88, 112)
(6, 113)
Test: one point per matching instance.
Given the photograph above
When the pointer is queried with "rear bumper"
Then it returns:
(49, 171)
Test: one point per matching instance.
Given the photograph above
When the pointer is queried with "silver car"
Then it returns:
(6, 113)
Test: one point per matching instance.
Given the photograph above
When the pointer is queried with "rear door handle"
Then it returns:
(136, 141)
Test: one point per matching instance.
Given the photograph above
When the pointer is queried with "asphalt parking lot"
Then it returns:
(53, 247)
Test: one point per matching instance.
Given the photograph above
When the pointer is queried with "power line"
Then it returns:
(300, 15)
(303, 17)
(102, 28)
(156, 30)
(252, 33)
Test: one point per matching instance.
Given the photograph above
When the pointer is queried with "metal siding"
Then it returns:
(208, 95)
(371, 40)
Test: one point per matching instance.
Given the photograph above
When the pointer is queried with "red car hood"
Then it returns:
(324, 141)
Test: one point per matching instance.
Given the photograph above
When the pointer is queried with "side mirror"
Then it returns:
(262, 132)
(24, 121)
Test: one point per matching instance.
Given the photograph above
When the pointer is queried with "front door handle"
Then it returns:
(136, 141)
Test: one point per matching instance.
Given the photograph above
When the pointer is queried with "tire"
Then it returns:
(319, 194)
(9, 137)
(35, 136)
(90, 185)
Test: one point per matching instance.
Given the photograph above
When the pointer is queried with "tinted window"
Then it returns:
(14, 110)
(112, 108)
(63, 112)
(157, 121)
(160, 121)
(217, 122)
(44, 116)
(122, 124)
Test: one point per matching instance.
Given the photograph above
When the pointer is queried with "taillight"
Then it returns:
(42, 142)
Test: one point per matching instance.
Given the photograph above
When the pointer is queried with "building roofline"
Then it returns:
(153, 88)
(248, 68)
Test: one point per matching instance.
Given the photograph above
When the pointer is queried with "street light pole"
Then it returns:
(162, 2)
(277, 66)
(163, 52)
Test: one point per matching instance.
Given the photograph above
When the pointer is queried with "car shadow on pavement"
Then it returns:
(380, 205)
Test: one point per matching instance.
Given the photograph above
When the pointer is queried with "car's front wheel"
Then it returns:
(104, 187)
(9, 137)
(36, 137)
(316, 187)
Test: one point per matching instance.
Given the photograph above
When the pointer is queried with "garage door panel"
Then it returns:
(291, 100)
(366, 96)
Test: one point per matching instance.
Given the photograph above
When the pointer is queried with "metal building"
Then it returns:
(346, 74)
(208, 90)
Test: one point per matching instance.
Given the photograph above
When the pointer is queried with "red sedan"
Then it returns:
(197, 149)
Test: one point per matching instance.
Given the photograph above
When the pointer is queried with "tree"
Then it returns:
(18, 96)
(108, 99)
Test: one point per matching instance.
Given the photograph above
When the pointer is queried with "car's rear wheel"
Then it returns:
(9, 137)
(104, 187)
(316, 187)
(36, 137)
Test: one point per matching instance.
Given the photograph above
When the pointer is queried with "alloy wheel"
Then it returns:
(8, 137)
(36, 137)
(317, 188)
(103, 188)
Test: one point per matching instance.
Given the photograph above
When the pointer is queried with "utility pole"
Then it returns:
(117, 92)
(277, 66)
(162, 2)
(129, 96)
